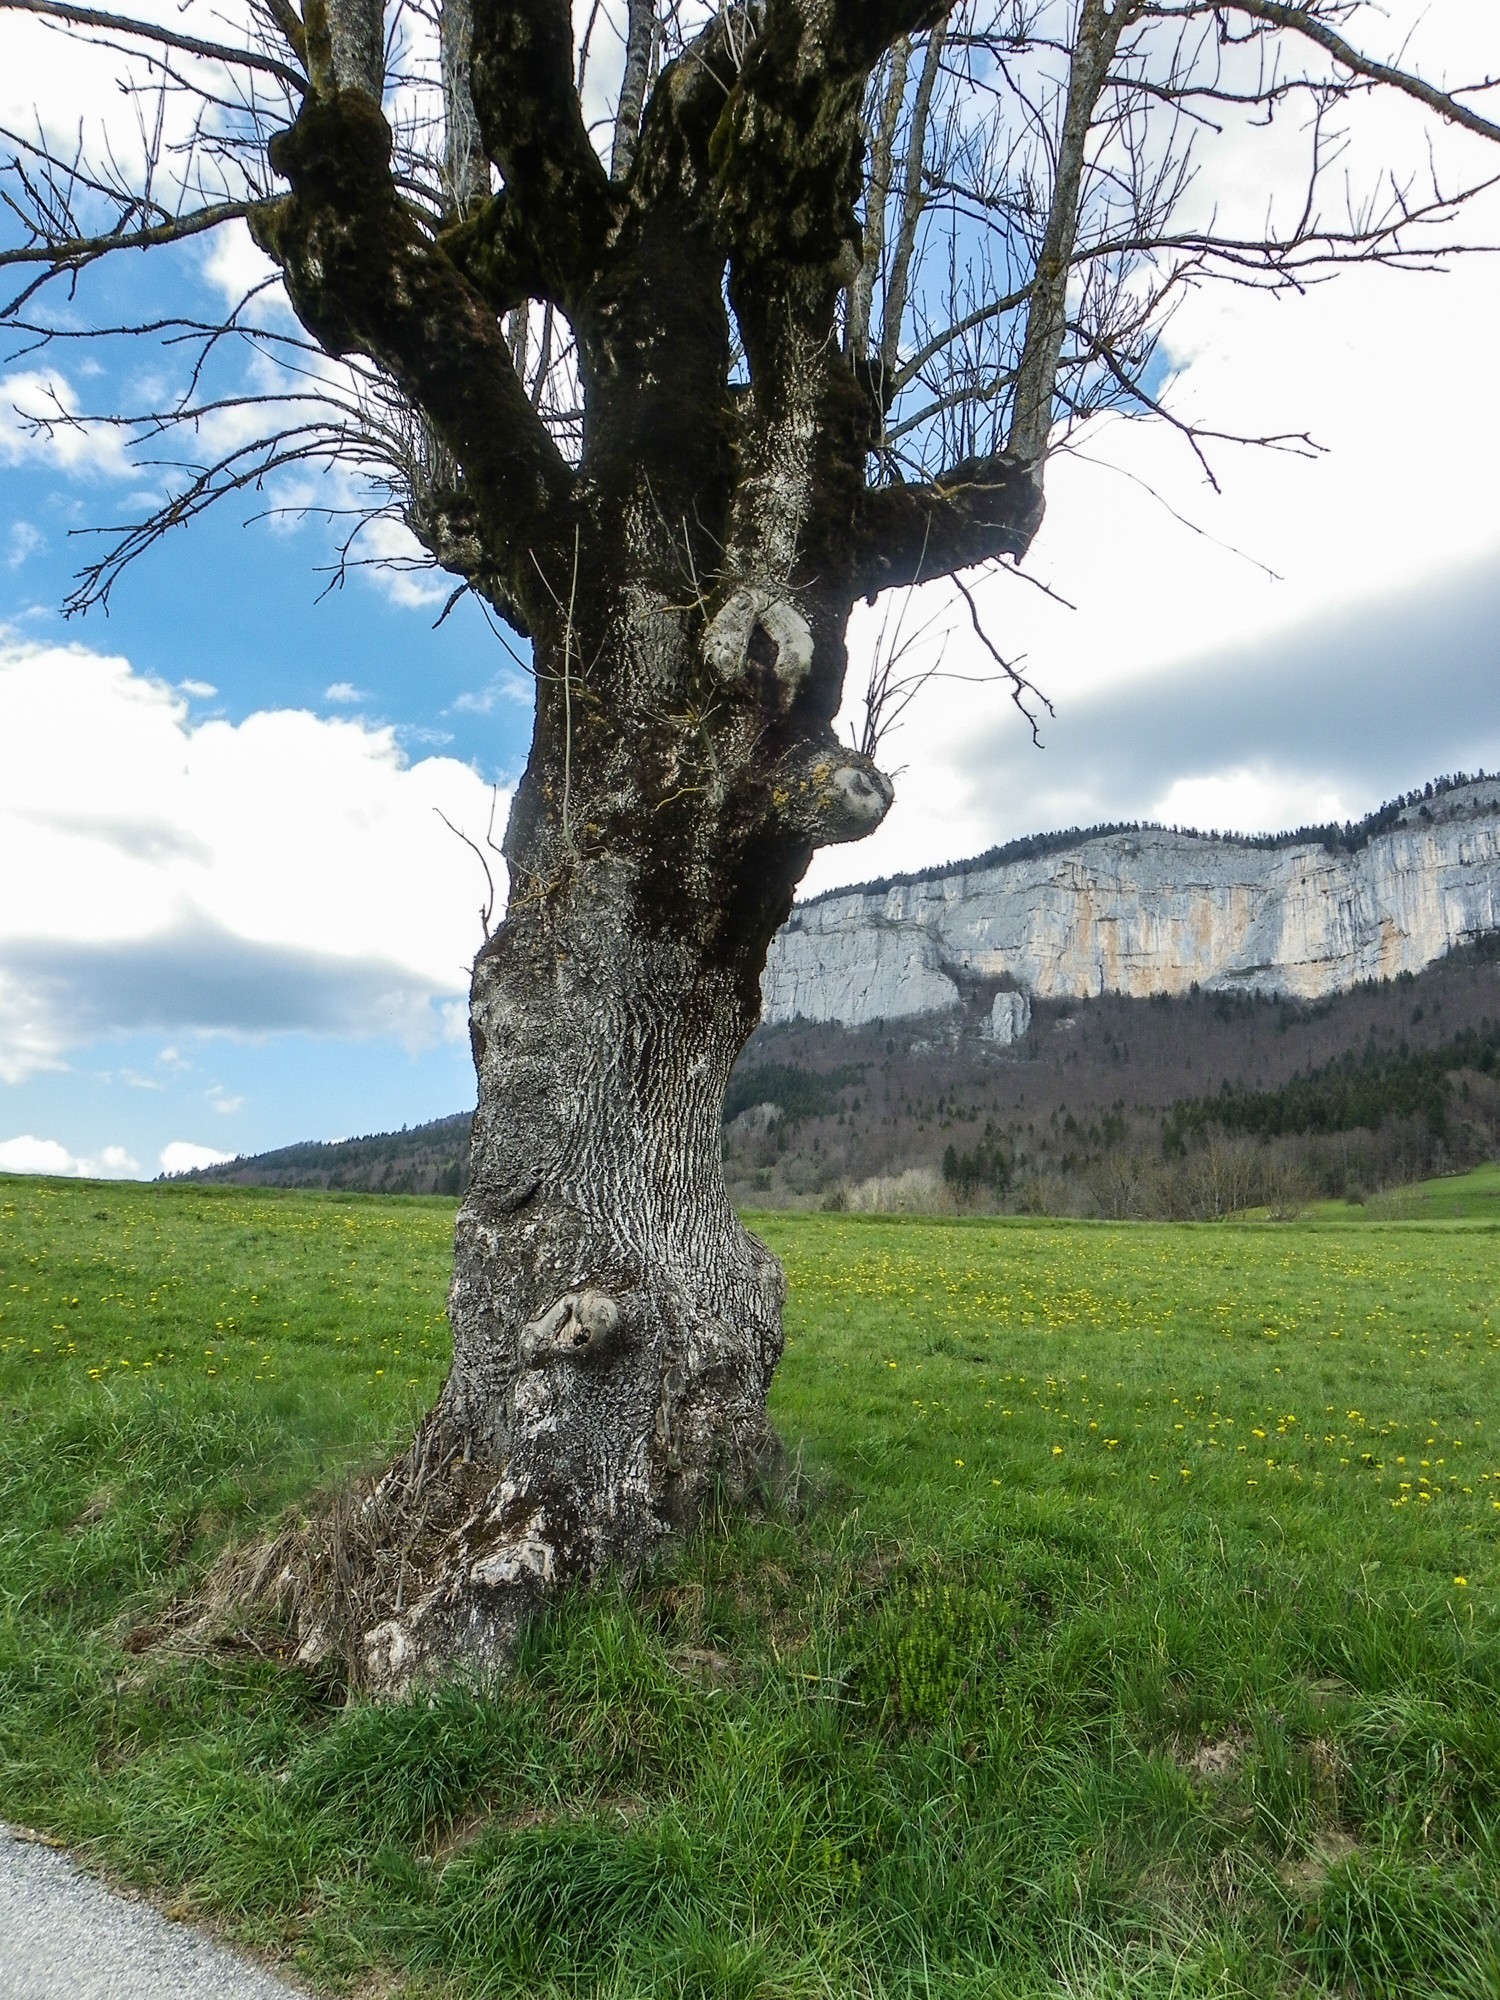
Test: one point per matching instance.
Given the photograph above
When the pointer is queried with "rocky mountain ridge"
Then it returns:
(1148, 910)
(817, 1115)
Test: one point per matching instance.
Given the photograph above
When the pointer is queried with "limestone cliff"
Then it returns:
(1151, 911)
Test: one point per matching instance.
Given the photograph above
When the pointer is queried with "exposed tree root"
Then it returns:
(433, 1566)
(382, 1549)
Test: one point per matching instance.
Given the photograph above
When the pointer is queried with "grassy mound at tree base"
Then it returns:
(1138, 1634)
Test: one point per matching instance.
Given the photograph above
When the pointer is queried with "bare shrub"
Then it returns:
(1124, 1185)
(1051, 1193)
(915, 1191)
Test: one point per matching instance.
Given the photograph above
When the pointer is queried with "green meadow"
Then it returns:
(1128, 1622)
(1470, 1197)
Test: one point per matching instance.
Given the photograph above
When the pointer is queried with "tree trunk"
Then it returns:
(615, 1327)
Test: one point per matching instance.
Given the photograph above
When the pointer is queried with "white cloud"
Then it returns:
(510, 687)
(287, 872)
(399, 566)
(27, 1155)
(221, 1101)
(344, 692)
(1254, 799)
(199, 690)
(181, 1156)
(235, 265)
(1293, 728)
(1376, 365)
(23, 542)
(29, 1037)
(67, 83)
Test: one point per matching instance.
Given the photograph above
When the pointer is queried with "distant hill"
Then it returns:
(1097, 1080)
(814, 1113)
(1141, 910)
(419, 1159)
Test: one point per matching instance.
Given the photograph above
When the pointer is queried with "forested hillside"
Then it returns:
(420, 1159)
(1113, 1106)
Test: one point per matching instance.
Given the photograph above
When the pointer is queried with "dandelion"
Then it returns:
(1462, 1582)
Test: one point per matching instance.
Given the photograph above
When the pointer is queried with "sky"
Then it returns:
(232, 917)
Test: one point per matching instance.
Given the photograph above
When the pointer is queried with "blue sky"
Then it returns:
(239, 610)
(230, 917)
(244, 604)
(230, 618)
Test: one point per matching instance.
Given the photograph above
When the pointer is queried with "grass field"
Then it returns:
(1470, 1197)
(1138, 1632)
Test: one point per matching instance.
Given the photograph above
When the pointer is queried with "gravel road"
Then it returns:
(64, 1937)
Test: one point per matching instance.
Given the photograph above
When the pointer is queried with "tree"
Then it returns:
(798, 325)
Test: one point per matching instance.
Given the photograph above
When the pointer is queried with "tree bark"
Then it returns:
(615, 1327)
(686, 589)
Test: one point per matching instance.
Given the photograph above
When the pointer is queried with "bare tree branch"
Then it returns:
(72, 253)
(167, 38)
(1099, 29)
(640, 44)
(465, 166)
(970, 514)
(882, 144)
(899, 282)
(1305, 21)
(1026, 229)
(354, 56)
(556, 211)
(1022, 690)
(938, 343)
(487, 908)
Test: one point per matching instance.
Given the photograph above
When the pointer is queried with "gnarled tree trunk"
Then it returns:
(686, 588)
(615, 1326)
